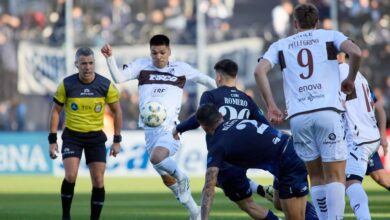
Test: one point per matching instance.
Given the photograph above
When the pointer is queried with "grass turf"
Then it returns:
(37, 197)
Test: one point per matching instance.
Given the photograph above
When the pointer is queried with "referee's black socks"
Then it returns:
(67, 190)
(97, 202)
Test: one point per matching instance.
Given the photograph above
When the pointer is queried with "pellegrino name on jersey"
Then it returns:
(300, 43)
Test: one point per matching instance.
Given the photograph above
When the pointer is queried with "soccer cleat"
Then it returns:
(196, 215)
(184, 189)
(269, 192)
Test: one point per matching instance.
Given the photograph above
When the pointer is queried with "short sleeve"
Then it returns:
(190, 72)
(206, 98)
(272, 54)
(60, 95)
(339, 38)
(112, 94)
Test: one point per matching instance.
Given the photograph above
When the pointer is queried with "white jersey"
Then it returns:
(360, 113)
(310, 70)
(163, 85)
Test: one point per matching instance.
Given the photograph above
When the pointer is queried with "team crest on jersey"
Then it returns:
(332, 136)
(98, 107)
(74, 106)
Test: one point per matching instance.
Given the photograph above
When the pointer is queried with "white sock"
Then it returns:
(253, 186)
(318, 196)
(175, 190)
(191, 205)
(335, 199)
(359, 201)
(168, 165)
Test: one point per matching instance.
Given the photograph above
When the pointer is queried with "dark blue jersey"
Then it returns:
(231, 102)
(247, 144)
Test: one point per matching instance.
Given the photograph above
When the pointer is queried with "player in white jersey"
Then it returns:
(363, 139)
(162, 80)
(308, 60)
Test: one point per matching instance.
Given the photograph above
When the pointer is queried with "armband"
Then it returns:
(117, 138)
(52, 138)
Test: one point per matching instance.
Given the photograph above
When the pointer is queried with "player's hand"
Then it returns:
(348, 86)
(106, 50)
(53, 150)
(275, 116)
(115, 149)
(175, 134)
(384, 144)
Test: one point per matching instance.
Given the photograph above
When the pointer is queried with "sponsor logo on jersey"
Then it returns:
(86, 92)
(310, 87)
(74, 106)
(156, 77)
(332, 136)
(159, 91)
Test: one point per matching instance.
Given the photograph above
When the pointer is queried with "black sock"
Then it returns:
(260, 191)
(67, 190)
(97, 202)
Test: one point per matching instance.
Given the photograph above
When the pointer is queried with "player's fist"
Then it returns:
(348, 86)
(106, 50)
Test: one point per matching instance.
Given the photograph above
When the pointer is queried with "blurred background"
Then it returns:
(38, 39)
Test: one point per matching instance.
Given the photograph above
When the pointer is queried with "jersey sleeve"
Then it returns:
(128, 72)
(272, 54)
(112, 94)
(339, 38)
(196, 76)
(60, 95)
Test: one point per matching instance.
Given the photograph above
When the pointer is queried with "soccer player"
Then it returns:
(363, 139)
(83, 96)
(308, 60)
(235, 104)
(377, 172)
(162, 81)
(251, 144)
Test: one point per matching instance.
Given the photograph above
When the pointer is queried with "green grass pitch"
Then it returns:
(37, 197)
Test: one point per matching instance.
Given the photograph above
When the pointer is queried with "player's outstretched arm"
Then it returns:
(274, 114)
(208, 191)
(117, 75)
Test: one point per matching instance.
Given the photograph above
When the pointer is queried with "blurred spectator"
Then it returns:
(18, 112)
(175, 20)
(8, 56)
(120, 14)
(218, 15)
(57, 36)
(281, 18)
(386, 99)
(154, 26)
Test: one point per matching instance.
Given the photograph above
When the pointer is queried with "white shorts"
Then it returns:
(319, 134)
(358, 159)
(161, 137)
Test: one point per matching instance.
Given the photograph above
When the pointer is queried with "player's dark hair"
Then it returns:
(227, 66)
(158, 40)
(306, 15)
(83, 51)
(208, 115)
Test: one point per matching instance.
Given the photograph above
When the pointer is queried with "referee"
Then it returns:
(84, 95)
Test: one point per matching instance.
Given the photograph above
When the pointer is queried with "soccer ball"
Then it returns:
(153, 114)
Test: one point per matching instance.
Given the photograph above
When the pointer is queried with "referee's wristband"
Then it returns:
(52, 138)
(117, 138)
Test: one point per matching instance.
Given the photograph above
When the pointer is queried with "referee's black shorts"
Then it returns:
(93, 143)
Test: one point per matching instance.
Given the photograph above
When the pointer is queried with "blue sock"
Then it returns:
(310, 213)
(271, 216)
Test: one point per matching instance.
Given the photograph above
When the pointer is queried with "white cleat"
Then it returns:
(196, 215)
(184, 189)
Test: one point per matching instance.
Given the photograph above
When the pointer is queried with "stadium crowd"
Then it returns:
(133, 22)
